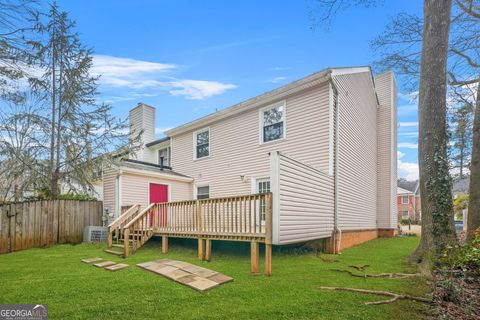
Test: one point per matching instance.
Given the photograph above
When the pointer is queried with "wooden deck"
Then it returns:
(241, 218)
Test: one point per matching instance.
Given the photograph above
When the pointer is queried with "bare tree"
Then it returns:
(17, 20)
(22, 145)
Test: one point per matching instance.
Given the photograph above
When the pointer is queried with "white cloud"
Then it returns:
(407, 170)
(139, 76)
(277, 79)
(407, 145)
(109, 66)
(408, 124)
(198, 89)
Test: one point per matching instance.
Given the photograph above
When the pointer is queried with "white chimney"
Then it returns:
(142, 117)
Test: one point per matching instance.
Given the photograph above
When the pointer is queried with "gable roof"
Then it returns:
(403, 191)
(267, 97)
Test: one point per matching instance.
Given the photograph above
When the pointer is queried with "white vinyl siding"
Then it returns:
(385, 85)
(135, 189)
(238, 152)
(357, 152)
(109, 190)
(305, 202)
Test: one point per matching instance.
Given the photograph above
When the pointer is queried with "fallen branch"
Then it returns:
(360, 268)
(396, 275)
(395, 296)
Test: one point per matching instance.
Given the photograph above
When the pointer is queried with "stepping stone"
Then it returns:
(202, 284)
(104, 264)
(117, 267)
(178, 264)
(220, 278)
(195, 277)
(163, 270)
(145, 265)
(177, 274)
(90, 260)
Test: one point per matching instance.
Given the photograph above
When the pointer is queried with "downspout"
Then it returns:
(336, 229)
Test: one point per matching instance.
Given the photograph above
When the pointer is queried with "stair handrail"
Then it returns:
(126, 228)
(124, 216)
(138, 216)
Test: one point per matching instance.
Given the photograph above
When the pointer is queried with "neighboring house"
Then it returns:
(324, 146)
(409, 204)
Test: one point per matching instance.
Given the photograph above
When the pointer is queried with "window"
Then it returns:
(273, 123)
(263, 186)
(165, 154)
(405, 200)
(202, 144)
(405, 214)
(203, 192)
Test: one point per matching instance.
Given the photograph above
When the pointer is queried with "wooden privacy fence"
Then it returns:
(43, 223)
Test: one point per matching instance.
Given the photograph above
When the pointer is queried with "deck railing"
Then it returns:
(229, 216)
(247, 217)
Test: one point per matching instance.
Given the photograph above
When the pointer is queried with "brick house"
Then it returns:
(408, 204)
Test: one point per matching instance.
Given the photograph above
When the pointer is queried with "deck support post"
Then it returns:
(268, 235)
(201, 249)
(164, 244)
(208, 249)
(110, 238)
(126, 242)
(254, 257)
(268, 259)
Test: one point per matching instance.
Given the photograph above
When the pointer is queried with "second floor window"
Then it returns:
(273, 123)
(165, 154)
(202, 144)
(405, 200)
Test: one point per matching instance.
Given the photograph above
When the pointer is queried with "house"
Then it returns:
(409, 204)
(319, 154)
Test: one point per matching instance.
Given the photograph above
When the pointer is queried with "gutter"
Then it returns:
(337, 235)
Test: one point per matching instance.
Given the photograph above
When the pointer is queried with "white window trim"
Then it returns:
(255, 190)
(260, 122)
(169, 154)
(195, 143)
(195, 191)
(408, 200)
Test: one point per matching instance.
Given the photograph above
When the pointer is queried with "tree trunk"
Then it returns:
(53, 184)
(438, 229)
(473, 217)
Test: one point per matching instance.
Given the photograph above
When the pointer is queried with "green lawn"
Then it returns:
(74, 290)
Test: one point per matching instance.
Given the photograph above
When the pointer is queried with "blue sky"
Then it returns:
(190, 58)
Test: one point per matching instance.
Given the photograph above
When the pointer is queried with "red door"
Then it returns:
(158, 194)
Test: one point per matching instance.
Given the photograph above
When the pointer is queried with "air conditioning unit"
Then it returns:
(95, 234)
